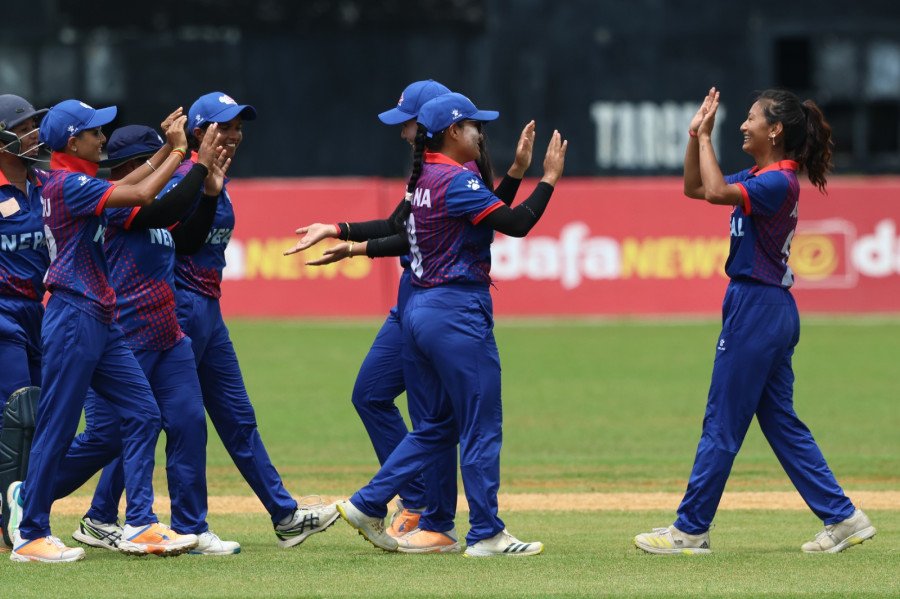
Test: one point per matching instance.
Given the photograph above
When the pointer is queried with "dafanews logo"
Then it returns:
(263, 259)
(826, 254)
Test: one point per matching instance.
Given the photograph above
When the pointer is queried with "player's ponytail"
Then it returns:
(485, 167)
(807, 136)
(816, 153)
(398, 220)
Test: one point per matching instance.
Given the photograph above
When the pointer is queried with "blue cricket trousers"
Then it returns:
(453, 368)
(379, 382)
(752, 374)
(172, 375)
(82, 352)
(20, 346)
(226, 400)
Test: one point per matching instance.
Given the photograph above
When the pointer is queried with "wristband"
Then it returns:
(350, 249)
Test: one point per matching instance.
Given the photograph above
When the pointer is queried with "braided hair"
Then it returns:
(807, 135)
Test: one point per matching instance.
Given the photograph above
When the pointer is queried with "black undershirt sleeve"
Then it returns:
(507, 189)
(395, 245)
(167, 210)
(371, 229)
(190, 235)
(518, 221)
(377, 229)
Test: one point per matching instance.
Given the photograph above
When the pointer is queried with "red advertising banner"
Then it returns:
(604, 247)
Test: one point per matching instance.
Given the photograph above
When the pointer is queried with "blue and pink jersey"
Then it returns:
(447, 242)
(763, 224)
(23, 253)
(142, 272)
(75, 227)
(202, 272)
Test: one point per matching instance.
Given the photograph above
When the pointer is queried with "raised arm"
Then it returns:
(144, 192)
(715, 189)
(518, 221)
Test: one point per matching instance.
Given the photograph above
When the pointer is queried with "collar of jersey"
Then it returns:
(781, 165)
(60, 161)
(438, 158)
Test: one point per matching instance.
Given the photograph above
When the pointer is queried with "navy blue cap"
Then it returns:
(217, 107)
(439, 113)
(15, 110)
(131, 141)
(68, 119)
(411, 101)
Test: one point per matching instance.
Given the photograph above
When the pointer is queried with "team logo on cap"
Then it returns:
(198, 118)
(225, 99)
(71, 129)
(456, 114)
(400, 101)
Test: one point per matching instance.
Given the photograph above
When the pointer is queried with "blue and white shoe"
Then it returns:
(14, 501)
(103, 535)
(310, 517)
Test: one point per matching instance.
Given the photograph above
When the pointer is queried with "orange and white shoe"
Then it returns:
(45, 549)
(403, 521)
(428, 541)
(157, 539)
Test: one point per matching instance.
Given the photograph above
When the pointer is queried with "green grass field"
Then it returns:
(588, 407)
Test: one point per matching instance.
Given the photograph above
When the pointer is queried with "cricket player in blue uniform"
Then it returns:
(80, 315)
(23, 262)
(381, 379)
(140, 247)
(752, 372)
(198, 280)
(449, 353)
(23, 254)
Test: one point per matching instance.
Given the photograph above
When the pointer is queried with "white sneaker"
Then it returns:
(372, 529)
(837, 537)
(671, 541)
(504, 544)
(308, 519)
(46, 549)
(209, 543)
(14, 503)
(155, 538)
(98, 534)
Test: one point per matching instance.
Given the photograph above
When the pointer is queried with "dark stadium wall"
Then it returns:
(619, 79)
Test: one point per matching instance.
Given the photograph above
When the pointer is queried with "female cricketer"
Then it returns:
(24, 261)
(752, 372)
(141, 244)
(449, 352)
(381, 379)
(80, 315)
(198, 280)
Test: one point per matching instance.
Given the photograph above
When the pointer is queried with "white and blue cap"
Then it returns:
(439, 113)
(411, 101)
(217, 107)
(15, 110)
(69, 118)
(131, 141)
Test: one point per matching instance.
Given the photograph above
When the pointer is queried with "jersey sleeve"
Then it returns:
(765, 193)
(84, 195)
(121, 217)
(737, 177)
(468, 196)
